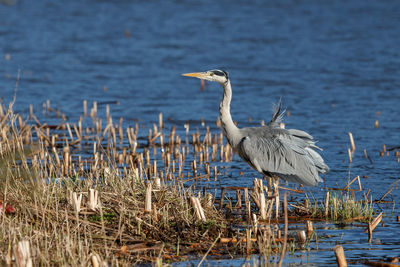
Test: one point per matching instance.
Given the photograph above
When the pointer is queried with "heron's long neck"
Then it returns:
(229, 129)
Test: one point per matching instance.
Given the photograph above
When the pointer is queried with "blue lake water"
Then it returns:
(336, 65)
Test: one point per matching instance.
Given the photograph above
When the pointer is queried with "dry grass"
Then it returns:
(39, 185)
(119, 230)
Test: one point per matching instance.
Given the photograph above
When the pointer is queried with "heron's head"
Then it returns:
(218, 76)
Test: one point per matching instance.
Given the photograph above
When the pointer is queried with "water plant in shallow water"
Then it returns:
(336, 207)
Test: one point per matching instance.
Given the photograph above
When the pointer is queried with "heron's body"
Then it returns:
(289, 154)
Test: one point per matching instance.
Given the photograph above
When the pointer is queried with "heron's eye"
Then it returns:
(219, 73)
(212, 74)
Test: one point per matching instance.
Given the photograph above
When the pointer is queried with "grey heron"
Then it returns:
(286, 153)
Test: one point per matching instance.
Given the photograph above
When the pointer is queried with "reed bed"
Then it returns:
(96, 192)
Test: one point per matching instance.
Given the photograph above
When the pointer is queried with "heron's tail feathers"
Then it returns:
(277, 117)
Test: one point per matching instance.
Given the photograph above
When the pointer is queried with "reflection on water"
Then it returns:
(334, 63)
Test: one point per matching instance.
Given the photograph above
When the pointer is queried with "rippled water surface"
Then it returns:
(336, 65)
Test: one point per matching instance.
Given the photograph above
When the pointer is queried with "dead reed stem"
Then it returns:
(310, 229)
(350, 155)
(198, 209)
(340, 258)
(353, 146)
(208, 251)
(285, 214)
(372, 225)
(352, 181)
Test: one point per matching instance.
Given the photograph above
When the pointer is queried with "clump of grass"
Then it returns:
(346, 207)
(336, 207)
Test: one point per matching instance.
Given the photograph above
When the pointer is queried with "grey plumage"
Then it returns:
(289, 154)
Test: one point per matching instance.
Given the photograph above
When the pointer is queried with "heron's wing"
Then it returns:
(278, 152)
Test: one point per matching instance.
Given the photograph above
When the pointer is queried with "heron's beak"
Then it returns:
(200, 75)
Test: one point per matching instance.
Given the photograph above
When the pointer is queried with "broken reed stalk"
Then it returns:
(263, 209)
(30, 111)
(221, 203)
(95, 260)
(276, 193)
(147, 207)
(327, 204)
(352, 181)
(353, 147)
(234, 240)
(76, 202)
(210, 200)
(350, 155)
(301, 236)
(285, 214)
(340, 257)
(309, 227)
(259, 198)
(93, 201)
(369, 230)
(22, 254)
(386, 193)
(239, 199)
(198, 208)
(372, 225)
(157, 182)
(367, 157)
(84, 108)
(208, 251)
(248, 241)
(247, 205)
